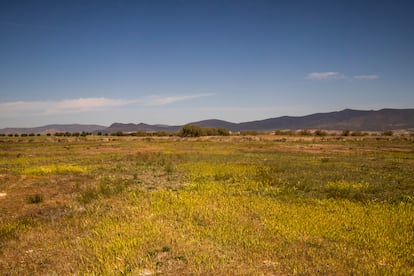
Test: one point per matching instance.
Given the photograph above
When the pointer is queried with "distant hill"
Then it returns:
(384, 119)
(53, 129)
(217, 123)
(139, 127)
(380, 120)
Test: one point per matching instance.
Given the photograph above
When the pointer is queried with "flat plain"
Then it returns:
(244, 205)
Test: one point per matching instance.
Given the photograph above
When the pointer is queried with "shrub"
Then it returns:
(388, 133)
(305, 132)
(160, 133)
(166, 249)
(35, 199)
(118, 133)
(190, 131)
(223, 131)
(141, 133)
(320, 132)
(196, 131)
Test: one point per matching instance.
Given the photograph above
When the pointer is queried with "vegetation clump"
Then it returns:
(305, 132)
(320, 132)
(35, 199)
(284, 132)
(197, 131)
(388, 133)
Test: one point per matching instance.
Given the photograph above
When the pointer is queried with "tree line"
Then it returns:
(197, 131)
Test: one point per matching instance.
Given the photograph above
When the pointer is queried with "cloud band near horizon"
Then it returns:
(68, 106)
(324, 75)
(337, 75)
(366, 77)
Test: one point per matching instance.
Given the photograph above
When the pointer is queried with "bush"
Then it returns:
(388, 133)
(35, 199)
(223, 131)
(141, 133)
(305, 132)
(320, 132)
(284, 132)
(197, 131)
(190, 131)
(160, 133)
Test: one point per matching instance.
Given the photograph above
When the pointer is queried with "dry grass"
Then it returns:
(219, 205)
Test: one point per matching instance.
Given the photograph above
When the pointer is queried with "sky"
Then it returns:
(179, 61)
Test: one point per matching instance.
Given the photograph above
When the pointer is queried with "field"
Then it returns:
(259, 205)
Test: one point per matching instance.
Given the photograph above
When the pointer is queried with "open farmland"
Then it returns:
(217, 205)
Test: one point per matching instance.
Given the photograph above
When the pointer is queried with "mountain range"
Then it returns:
(53, 129)
(348, 119)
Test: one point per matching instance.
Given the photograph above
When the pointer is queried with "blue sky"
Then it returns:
(172, 62)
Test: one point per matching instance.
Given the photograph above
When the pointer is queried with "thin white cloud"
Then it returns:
(324, 76)
(59, 106)
(164, 100)
(83, 105)
(69, 106)
(366, 77)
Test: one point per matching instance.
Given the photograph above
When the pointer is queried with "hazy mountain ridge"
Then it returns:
(384, 119)
(53, 129)
(380, 120)
(139, 127)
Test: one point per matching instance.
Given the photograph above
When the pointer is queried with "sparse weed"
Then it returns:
(105, 188)
(344, 189)
(54, 169)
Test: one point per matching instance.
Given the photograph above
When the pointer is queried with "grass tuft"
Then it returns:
(35, 199)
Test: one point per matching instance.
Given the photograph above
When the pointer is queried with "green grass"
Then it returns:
(207, 206)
